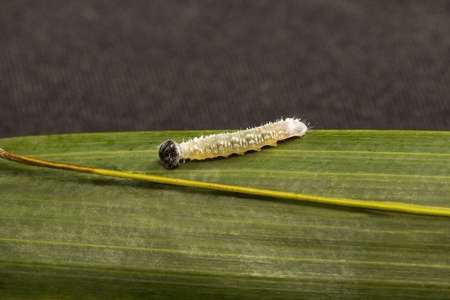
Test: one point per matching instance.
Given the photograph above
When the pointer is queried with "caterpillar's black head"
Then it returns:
(169, 154)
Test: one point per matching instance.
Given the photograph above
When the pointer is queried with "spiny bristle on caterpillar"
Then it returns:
(225, 144)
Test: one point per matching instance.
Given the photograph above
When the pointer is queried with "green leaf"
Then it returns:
(69, 235)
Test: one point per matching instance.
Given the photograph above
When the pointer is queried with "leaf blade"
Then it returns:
(212, 243)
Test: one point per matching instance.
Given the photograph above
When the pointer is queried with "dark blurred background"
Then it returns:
(101, 66)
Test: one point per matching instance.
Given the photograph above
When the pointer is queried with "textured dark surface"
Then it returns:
(90, 66)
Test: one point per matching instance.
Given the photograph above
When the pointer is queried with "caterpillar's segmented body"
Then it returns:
(225, 144)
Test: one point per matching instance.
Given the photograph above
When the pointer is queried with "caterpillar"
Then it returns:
(225, 144)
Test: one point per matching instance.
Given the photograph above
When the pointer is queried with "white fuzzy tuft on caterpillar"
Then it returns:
(225, 144)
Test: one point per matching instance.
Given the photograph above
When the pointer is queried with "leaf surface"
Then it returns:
(68, 235)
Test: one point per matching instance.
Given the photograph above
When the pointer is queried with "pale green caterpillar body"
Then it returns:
(225, 144)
